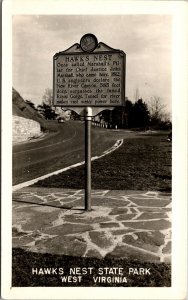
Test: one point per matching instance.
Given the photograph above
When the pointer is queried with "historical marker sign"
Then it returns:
(88, 78)
(94, 79)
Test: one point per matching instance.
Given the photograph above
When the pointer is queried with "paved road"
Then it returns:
(57, 150)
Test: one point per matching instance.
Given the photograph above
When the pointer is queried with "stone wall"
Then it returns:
(24, 129)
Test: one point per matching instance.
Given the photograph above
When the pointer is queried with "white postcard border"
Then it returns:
(179, 12)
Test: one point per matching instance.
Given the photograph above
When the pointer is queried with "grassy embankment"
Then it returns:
(142, 163)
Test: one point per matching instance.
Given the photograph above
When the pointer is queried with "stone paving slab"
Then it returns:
(122, 224)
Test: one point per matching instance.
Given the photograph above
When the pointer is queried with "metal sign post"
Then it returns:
(88, 78)
(88, 158)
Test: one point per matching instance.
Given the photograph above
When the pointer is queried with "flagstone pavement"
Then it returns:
(121, 224)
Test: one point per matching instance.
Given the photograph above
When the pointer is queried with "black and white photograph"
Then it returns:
(96, 197)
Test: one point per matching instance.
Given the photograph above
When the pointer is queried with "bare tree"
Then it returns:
(48, 97)
(156, 108)
(158, 114)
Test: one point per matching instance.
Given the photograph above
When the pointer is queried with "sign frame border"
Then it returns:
(111, 51)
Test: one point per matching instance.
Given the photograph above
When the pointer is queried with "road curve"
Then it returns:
(56, 150)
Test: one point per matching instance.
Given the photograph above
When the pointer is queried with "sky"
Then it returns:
(146, 40)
